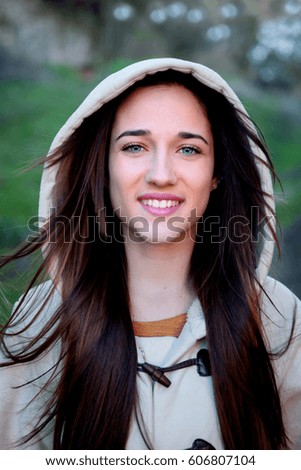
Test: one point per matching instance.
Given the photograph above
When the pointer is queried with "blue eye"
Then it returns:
(133, 148)
(188, 151)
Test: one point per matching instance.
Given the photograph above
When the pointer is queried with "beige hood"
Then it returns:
(115, 84)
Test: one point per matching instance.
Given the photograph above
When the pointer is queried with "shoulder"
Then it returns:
(281, 320)
(44, 293)
(280, 293)
(31, 313)
(43, 297)
(279, 304)
(280, 314)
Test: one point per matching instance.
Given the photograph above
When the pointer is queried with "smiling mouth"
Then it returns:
(160, 204)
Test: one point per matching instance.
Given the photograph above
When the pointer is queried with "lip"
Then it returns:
(157, 211)
(160, 197)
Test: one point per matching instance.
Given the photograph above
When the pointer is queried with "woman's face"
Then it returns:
(161, 163)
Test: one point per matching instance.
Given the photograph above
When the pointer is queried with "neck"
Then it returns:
(158, 279)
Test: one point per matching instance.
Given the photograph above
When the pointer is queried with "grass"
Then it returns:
(32, 112)
(30, 115)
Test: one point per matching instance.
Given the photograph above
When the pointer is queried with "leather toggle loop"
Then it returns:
(156, 374)
(202, 363)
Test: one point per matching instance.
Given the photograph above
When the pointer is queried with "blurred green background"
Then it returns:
(52, 53)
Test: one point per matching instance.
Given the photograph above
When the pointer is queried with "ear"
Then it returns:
(214, 183)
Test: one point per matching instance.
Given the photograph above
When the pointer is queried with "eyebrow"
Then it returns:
(190, 135)
(142, 132)
(136, 133)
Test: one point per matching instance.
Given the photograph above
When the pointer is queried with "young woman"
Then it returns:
(158, 326)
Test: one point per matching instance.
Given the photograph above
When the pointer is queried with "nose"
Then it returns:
(161, 171)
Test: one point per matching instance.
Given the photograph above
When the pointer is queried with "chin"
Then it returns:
(166, 238)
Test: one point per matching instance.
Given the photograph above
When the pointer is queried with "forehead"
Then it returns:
(172, 100)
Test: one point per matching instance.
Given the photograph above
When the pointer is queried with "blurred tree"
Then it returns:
(257, 39)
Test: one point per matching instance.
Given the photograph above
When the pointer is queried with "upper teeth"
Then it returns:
(162, 204)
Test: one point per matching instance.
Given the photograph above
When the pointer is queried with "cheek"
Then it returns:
(125, 172)
(121, 182)
(201, 181)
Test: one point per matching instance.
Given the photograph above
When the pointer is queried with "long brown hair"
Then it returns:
(94, 379)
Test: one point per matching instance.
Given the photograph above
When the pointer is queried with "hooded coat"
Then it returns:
(182, 415)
